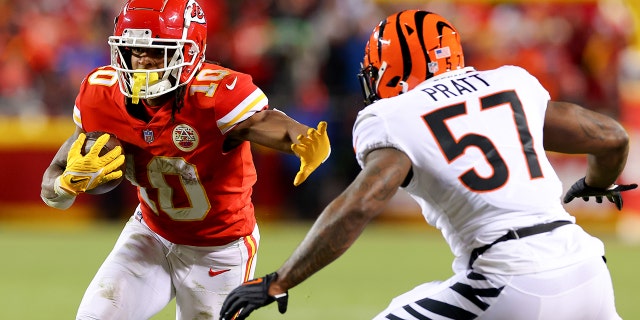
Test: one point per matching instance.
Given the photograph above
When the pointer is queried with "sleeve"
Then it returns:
(77, 118)
(80, 100)
(237, 99)
(95, 90)
(532, 83)
(370, 132)
(534, 94)
(537, 87)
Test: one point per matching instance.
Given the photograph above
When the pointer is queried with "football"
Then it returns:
(112, 143)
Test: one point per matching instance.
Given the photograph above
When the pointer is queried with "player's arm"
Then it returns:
(276, 130)
(71, 172)
(569, 128)
(344, 219)
(269, 128)
(48, 192)
(335, 230)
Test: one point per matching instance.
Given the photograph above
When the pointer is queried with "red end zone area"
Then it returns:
(26, 150)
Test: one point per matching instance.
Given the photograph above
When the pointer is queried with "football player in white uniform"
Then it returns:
(469, 147)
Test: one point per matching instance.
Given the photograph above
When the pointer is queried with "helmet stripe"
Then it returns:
(420, 17)
(380, 35)
(440, 26)
(404, 48)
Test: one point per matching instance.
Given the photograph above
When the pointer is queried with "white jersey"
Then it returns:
(479, 166)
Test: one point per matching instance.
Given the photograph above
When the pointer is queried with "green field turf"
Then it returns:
(44, 270)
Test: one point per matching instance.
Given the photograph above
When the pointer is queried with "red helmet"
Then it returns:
(405, 49)
(178, 27)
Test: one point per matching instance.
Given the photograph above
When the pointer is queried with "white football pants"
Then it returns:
(144, 272)
(579, 292)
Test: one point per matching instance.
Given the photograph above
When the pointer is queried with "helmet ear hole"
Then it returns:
(393, 82)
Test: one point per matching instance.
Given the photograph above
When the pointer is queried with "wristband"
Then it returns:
(63, 199)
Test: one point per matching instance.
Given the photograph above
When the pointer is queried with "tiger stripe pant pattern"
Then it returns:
(581, 291)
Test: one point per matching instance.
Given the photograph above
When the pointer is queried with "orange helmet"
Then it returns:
(405, 49)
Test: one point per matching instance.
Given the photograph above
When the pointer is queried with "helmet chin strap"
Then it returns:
(404, 85)
(383, 68)
(160, 86)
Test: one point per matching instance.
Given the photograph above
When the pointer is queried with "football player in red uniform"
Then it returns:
(186, 127)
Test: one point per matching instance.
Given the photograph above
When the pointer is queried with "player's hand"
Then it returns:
(581, 190)
(312, 150)
(250, 296)
(91, 170)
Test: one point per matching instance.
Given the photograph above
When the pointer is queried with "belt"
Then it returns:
(517, 234)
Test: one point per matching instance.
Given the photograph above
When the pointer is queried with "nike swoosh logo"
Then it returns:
(232, 85)
(213, 273)
(74, 180)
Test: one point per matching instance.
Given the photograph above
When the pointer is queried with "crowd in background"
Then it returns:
(305, 55)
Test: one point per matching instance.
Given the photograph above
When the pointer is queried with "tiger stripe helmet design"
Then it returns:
(405, 49)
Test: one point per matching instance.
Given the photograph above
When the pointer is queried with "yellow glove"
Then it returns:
(312, 150)
(87, 172)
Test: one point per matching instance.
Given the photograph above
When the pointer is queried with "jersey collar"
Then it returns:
(450, 74)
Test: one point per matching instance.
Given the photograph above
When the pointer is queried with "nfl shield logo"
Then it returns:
(148, 135)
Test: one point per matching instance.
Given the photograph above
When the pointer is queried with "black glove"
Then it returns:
(250, 296)
(581, 190)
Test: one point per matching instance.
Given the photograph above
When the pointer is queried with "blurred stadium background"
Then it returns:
(305, 55)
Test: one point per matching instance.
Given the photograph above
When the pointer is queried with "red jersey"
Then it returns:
(191, 191)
